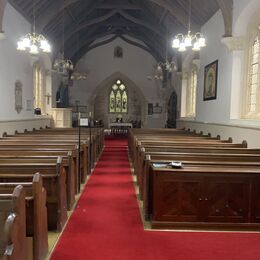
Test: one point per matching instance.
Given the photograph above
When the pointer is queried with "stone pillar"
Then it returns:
(2, 9)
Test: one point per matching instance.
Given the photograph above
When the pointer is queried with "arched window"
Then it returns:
(253, 89)
(191, 93)
(118, 99)
(39, 87)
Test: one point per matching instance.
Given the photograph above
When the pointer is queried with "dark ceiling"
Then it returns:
(143, 23)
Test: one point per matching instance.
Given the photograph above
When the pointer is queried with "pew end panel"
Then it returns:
(14, 237)
(204, 198)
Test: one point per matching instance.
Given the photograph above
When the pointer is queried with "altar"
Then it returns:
(119, 128)
(110, 125)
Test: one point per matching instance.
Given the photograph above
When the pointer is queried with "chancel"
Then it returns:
(129, 129)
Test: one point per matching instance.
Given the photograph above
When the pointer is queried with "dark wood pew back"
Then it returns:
(36, 213)
(12, 225)
(54, 181)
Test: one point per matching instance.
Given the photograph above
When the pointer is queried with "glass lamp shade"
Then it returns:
(45, 46)
(196, 41)
(26, 42)
(34, 49)
(188, 40)
(20, 46)
(182, 47)
(202, 41)
(196, 46)
(176, 43)
(34, 43)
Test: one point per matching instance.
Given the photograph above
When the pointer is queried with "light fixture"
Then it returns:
(78, 76)
(182, 42)
(33, 42)
(167, 65)
(62, 65)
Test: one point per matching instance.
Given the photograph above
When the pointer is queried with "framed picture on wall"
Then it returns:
(150, 108)
(210, 81)
(157, 109)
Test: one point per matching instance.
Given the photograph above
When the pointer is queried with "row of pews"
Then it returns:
(217, 185)
(40, 174)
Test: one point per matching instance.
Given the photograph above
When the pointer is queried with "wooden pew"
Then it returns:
(178, 143)
(54, 182)
(217, 175)
(199, 159)
(12, 225)
(52, 145)
(36, 213)
(96, 142)
(204, 197)
(194, 154)
(33, 156)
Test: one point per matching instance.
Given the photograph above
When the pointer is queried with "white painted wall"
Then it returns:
(218, 110)
(136, 65)
(235, 130)
(15, 66)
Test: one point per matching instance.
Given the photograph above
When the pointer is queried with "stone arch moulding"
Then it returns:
(110, 79)
(2, 10)
(226, 7)
(247, 18)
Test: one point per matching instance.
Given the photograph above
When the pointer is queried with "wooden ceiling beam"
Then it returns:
(86, 40)
(153, 27)
(87, 47)
(55, 8)
(93, 21)
(155, 55)
(176, 11)
(121, 6)
(226, 7)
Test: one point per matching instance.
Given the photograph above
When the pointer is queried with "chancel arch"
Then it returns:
(118, 87)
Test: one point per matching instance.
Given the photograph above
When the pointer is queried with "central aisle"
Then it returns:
(106, 224)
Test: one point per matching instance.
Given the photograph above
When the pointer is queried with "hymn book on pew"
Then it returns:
(171, 165)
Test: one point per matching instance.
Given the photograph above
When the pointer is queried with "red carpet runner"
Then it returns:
(106, 224)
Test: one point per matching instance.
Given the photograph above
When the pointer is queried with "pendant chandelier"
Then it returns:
(32, 42)
(167, 65)
(182, 42)
(78, 76)
(62, 65)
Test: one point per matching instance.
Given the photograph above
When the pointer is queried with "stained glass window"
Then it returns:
(39, 87)
(118, 99)
(254, 76)
(191, 94)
